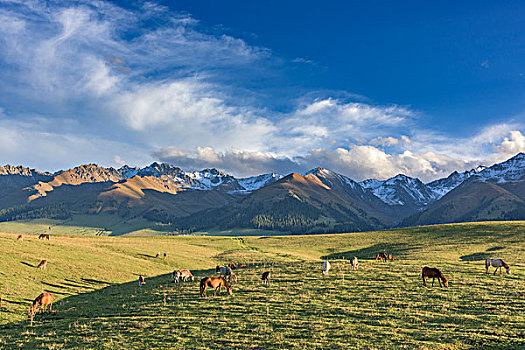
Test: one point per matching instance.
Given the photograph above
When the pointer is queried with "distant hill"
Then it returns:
(309, 203)
(319, 200)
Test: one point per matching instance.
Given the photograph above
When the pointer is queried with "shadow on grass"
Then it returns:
(482, 256)
(27, 264)
(92, 281)
(370, 253)
(147, 256)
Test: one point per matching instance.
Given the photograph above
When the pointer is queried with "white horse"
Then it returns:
(355, 263)
(326, 268)
(183, 274)
(498, 264)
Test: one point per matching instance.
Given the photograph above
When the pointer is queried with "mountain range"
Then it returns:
(319, 200)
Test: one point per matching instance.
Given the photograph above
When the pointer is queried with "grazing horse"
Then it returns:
(20, 238)
(326, 268)
(214, 282)
(266, 277)
(43, 300)
(43, 236)
(183, 274)
(390, 257)
(141, 281)
(498, 264)
(381, 256)
(233, 277)
(225, 271)
(355, 263)
(42, 265)
(434, 273)
(232, 266)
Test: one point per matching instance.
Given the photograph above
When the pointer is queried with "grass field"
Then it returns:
(382, 305)
(111, 225)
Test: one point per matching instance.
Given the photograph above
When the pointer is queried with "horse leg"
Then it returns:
(439, 280)
(433, 278)
(495, 271)
(424, 281)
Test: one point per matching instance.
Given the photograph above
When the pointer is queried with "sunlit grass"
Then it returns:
(382, 305)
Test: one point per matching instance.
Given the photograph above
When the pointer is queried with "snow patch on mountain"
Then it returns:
(400, 190)
(508, 171)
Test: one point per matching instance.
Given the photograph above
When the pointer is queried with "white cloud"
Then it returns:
(240, 163)
(101, 96)
(511, 145)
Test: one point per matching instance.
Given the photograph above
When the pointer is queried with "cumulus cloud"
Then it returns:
(511, 145)
(90, 81)
(238, 162)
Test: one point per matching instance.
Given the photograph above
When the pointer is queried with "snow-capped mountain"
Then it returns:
(511, 170)
(441, 187)
(400, 190)
(206, 179)
(343, 184)
(253, 183)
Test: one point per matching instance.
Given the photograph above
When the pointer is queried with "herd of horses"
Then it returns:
(45, 300)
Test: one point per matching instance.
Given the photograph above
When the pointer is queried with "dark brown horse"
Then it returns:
(266, 277)
(20, 238)
(381, 256)
(434, 273)
(214, 282)
(43, 300)
(43, 236)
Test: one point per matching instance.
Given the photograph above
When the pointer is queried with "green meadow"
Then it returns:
(99, 305)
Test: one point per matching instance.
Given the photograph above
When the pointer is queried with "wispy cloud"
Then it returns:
(88, 81)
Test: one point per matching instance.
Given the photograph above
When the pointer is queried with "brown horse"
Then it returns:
(43, 300)
(43, 236)
(232, 266)
(20, 238)
(381, 256)
(434, 273)
(42, 265)
(390, 257)
(165, 256)
(243, 265)
(266, 277)
(214, 282)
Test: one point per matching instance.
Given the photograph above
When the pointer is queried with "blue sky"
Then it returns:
(368, 89)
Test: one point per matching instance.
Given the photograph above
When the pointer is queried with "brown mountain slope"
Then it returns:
(90, 173)
(471, 201)
(295, 203)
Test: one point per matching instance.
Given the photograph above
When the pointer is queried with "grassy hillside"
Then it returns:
(380, 305)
